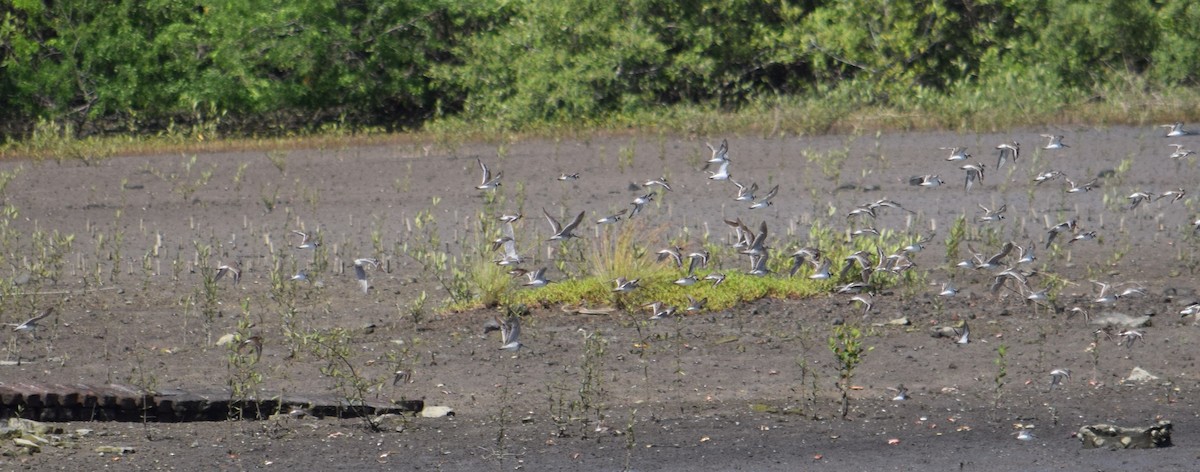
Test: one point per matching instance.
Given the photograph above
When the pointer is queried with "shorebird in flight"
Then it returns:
(957, 153)
(1048, 175)
(1176, 130)
(559, 231)
(1084, 236)
(1136, 198)
(948, 290)
(1057, 376)
(974, 174)
(766, 200)
(305, 241)
(613, 218)
(722, 172)
(1076, 188)
(640, 202)
(964, 334)
(716, 278)
(565, 176)
(625, 286)
(719, 154)
(930, 180)
(1174, 195)
(1068, 225)
(509, 245)
(510, 333)
(1180, 152)
(30, 325)
(537, 278)
(745, 194)
(991, 215)
(659, 311)
(1007, 149)
(488, 181)
(360, 272)
(695, 305)
(661, 182)
(232, 268)
(1055, 142)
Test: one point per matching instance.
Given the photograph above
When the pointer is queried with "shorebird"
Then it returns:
(401, 376)
(1025, 435)
(886, 203)
(510, 333)
(1084, 236)
(233, 269)
(1007, 149)
(1136, 198)
(756, 246)
(716, 278)
(957, 153)
(964, 334)
(613, 218)
(506, 218)
(948, 290)
(802, 255)
(1176, 130)
(1058, 375)
(766, 200)
(722, 172)
(1026, 254)
(565, 176)
(661, 182)
(918, 245)
(758, 264)
(866, 300)
(687, 281)
(640, 202)
(974, 174)
(672, 253)
(30, 325)
(901, 393)
(255, 343)
(745, 194)
(1174, 195)
(1128, 337)
(1055, 141)
(509, 245)
(1068, 225)
(1076, 188)
(562, 232)
(537, 278)
(360, 272)
(1190, 310)
(1077, 310)
(990, 215)
(1048, 175)
(301, 276)
(305, 241)
(695, 305)
(1106, 296)
(860, 211)
(994, 261)
(488, 181)
(697, 259)
(625, 286)
(931, 180)
(661, 312)
(864, 232)
(719, 154)
(1180, 152)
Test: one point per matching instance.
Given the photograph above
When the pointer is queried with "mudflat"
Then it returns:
(751, 387)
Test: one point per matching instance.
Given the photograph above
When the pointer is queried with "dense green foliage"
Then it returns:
(273, 65)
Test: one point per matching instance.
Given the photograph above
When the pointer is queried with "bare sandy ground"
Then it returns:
(749, 388)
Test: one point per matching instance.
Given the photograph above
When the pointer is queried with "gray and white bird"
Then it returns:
(974, 175)
(559, 231)
(1176, 130)
(766, 200)
(745, 194)
(1057, 376)
(537, 278)
(621, 285)
(957, 153)
(964, 334)
(488, 181)
(1006, 150)
(928, 181)
(1076, 188)
(1055, 141)
(510, 334)
(613, 218)
(233, 269)
(1180, 152)
(661, 182)
(360, 272)
(722, 172)
(719, 154)
(30, 325)
(991, 215)
(306, 241)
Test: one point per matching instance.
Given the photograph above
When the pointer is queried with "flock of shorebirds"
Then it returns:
(1009, 269)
